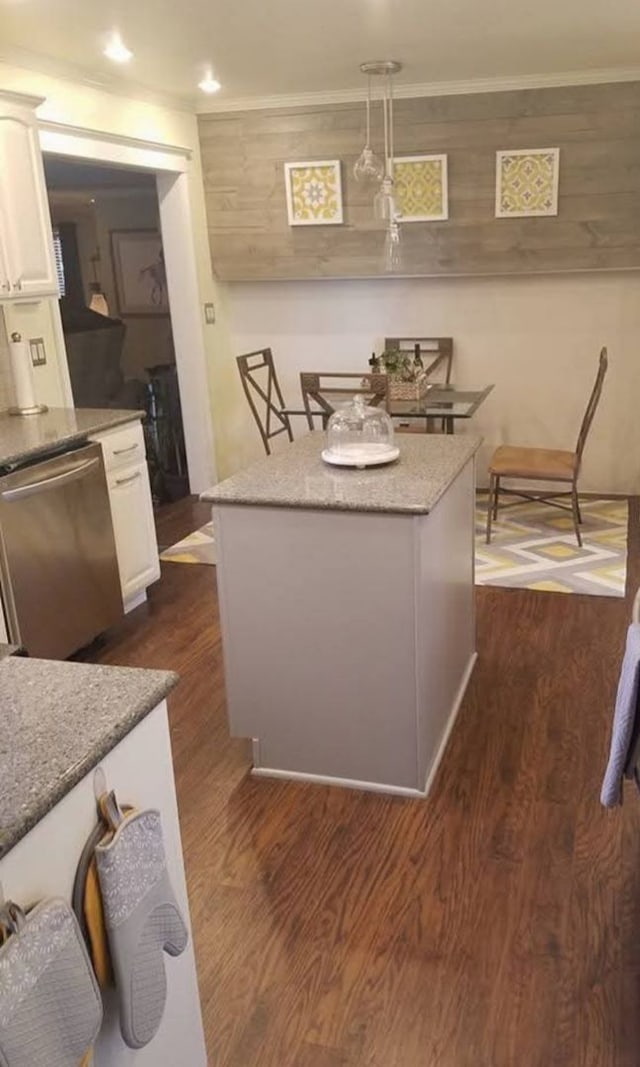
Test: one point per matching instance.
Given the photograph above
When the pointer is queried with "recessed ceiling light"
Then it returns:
(209, 84)
(117, 50)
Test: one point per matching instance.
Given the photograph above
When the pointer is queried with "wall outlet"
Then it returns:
(209, 314)
(38, 351)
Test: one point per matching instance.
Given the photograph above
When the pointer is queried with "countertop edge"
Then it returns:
(102, 426)
(12, 835)
(209, 496)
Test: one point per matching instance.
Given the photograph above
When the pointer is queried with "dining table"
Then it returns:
(441, 404)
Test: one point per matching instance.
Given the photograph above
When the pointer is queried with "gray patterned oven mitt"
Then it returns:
(142, 920)
(50, 1006)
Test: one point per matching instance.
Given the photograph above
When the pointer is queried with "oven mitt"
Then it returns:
(50, 1006)
(142, 920)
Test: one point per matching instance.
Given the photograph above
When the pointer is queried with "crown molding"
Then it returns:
(38, 63)
(64, 128)
(499, 83)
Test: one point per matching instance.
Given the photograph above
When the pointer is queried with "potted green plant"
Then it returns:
(407, 378)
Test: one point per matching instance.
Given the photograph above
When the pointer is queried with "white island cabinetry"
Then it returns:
(131, 510)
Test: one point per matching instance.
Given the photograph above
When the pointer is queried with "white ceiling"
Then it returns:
(271, 48)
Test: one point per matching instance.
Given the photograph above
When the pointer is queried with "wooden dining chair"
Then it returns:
(260, 384)
(320, 388)
(439, 350)
(545, 465)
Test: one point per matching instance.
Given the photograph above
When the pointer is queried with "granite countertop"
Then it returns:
(22, 436)
(297, 477)
(59, 719)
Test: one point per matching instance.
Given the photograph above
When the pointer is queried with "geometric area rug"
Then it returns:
(197, 547)
(533, 546)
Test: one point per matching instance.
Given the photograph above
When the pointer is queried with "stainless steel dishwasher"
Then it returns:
(58, 565)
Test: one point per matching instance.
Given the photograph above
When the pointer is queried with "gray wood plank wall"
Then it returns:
(597, 129)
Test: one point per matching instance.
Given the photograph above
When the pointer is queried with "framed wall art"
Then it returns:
(140, 275)
(314, 193)
(421, 188)
(527, 182)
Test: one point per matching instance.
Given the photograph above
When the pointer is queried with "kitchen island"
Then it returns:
(347, 610)
(59, 722)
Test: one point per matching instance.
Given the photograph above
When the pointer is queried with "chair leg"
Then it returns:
(578, 507)
(495, 498)
(575, 507)
(490, 505)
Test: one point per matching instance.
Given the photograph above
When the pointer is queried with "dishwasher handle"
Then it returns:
(72, 474)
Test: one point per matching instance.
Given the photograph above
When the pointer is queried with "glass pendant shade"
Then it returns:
(368, 167)
(384, 205)
(393, 248)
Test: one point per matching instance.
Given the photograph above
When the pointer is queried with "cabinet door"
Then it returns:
(26, 236)
(134, 529)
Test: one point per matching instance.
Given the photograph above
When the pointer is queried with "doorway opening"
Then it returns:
(115, 310)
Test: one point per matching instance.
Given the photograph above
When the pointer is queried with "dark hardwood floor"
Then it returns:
(495, 924)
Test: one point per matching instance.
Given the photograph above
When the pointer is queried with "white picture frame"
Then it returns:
(402, 163)
(314, 193)
(512, 206)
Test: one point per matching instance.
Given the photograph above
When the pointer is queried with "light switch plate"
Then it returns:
(38, 351)
(209, 314)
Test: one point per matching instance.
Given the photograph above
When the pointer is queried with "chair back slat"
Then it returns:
(314, 388)
(594, 400)
(260, 384)
(440, 347)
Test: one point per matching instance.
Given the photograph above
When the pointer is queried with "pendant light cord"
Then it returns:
(390, 83)
(385, 109)
(368, 141)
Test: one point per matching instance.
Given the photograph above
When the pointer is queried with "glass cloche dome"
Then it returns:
(360, 436)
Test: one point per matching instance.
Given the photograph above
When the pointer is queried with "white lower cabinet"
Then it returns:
(134, 530)
(131, 511)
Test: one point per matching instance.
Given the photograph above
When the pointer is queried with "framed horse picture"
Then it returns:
(140, 275)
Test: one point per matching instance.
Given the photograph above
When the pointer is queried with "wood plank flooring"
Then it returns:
(495, 924)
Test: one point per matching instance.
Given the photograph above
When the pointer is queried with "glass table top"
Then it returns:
(440, 402)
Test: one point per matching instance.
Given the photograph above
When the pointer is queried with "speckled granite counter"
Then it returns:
(297, 477)
(29, 435)
(59, 719)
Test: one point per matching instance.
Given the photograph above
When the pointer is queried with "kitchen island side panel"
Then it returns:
(445, 624)
(318, 622)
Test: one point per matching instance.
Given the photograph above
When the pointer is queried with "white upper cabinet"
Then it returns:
(27, 262)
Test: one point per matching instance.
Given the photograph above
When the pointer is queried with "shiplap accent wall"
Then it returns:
(596, 127)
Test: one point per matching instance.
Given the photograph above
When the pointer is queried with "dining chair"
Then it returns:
(314, 389)
(545, 465)
(440, 348)
(260, 384)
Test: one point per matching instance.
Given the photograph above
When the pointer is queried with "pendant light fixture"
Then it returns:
(98, 301)
(384, 202)
(368, 167)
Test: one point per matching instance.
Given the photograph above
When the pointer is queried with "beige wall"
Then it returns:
(537, 339)
(78, 105)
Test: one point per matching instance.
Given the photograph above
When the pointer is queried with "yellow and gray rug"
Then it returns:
(533, 546)
(198, 547)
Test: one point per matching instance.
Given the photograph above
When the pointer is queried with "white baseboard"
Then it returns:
(462, 688)
(345, 783)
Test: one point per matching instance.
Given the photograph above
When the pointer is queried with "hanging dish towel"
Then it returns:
(624, 720)
(142, 920)
(50, 1006)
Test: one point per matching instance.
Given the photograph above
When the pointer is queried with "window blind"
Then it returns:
(57, 250)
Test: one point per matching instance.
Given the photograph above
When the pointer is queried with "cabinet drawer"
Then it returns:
(123, 446)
